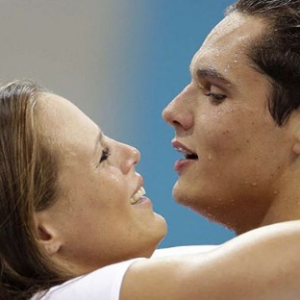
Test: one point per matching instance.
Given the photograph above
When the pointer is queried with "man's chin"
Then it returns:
(182, 194)
(194, 198)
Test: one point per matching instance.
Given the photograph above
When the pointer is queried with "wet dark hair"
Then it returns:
(276, 54)
(28, 178)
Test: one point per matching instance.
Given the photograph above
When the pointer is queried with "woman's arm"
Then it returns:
(263, 264)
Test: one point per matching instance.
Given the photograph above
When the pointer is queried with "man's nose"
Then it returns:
(178, 113)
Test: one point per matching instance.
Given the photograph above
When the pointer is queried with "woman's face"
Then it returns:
(96, 219)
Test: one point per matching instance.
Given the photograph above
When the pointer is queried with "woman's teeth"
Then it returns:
(135, 198)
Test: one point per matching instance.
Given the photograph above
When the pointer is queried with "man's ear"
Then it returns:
(46, 234)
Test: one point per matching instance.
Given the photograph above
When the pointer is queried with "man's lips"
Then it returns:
(188, 153)
(189, 156)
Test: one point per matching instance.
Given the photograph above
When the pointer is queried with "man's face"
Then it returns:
(235, 153)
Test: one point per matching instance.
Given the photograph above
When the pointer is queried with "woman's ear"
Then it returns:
(296, 148)
(46, 234)
(294, 126)
(296, 145)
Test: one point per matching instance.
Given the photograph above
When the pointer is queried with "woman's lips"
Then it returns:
(136, 197)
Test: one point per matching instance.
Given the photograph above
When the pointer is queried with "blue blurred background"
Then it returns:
(121, 62)
(163, 38)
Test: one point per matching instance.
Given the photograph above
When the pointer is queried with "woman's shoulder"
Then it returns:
(105, 281)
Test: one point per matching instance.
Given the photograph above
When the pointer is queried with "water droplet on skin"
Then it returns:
(254, 183)
(209, 157)
(227, 68)
(275, 192)
(235, 58)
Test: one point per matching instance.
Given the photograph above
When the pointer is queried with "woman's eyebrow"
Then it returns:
(98, 140)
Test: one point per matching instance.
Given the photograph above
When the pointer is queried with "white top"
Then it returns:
(105, 283)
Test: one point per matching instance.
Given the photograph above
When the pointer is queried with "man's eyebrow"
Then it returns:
(212, 73)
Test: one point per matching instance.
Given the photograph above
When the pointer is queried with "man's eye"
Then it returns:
(104, 155)
(216, 98)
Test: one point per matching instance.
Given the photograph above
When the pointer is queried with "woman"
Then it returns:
(72, 203)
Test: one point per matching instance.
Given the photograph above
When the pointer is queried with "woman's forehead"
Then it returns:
(63, 123)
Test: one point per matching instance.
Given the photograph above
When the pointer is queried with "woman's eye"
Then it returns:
(104, 155)
(216, 98)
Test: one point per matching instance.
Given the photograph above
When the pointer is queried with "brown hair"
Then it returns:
(28, 175)
(277, 53)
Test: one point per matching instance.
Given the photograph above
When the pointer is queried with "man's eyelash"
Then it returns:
(104, 155)
(217, 98)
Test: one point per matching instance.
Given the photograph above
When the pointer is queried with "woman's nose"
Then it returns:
(131, 156)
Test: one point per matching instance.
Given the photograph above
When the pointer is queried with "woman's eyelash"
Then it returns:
(217, 98)
(104, 155)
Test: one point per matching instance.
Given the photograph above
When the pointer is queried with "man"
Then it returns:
(238, 124)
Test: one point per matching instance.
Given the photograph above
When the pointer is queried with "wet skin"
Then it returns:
(92, 223)
(240, 174)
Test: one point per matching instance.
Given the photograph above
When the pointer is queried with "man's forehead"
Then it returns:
(228, 25)
(229, 37)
